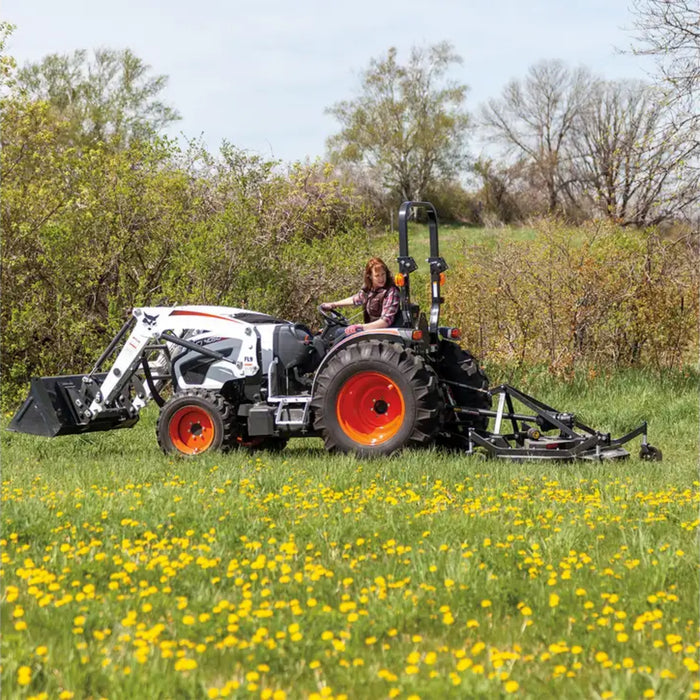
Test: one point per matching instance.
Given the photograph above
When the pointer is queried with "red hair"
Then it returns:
(373, 264)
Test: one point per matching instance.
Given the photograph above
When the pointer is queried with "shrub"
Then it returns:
(595, 294)
(90, 233)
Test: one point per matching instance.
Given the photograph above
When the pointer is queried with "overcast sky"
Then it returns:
(261, 73)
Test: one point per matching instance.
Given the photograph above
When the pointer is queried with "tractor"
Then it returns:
(227, 377)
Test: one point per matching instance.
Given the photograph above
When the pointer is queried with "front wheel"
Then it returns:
(194, 421)
(374, 397)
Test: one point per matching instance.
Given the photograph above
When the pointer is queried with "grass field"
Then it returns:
(452, 241)
(126, 574)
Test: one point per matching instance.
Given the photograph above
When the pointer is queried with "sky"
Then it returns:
(261, 73)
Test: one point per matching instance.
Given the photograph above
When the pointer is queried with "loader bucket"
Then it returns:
(55, 407)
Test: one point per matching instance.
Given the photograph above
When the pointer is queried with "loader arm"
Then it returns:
(160, 323)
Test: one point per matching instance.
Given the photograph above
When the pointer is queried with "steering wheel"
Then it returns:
(333, 317)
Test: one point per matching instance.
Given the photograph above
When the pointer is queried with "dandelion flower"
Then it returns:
(24, 675)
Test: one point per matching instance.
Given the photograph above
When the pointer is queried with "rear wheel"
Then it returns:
(373, 398)
(194, 421)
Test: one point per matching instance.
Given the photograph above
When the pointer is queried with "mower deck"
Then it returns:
(527, 438)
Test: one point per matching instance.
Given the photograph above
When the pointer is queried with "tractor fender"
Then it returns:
(394, 335)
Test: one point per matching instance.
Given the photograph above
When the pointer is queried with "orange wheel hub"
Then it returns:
(191, 430)
(370, 408)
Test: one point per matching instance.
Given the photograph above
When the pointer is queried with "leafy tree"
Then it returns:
(7, 62)
(407, 123)
(90, 231)
(499, 198)
(107, 97)
(87, 233)
(533, 120)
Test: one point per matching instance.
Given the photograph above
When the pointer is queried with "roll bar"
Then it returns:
(407, 265)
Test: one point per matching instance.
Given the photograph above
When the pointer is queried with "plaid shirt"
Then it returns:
(390, 303)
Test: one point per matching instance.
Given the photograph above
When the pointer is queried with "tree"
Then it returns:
(109, 97)
(670, 31)
(407, 123)
(497, 194)
(533, 120)
(7, 62)
(629, 157)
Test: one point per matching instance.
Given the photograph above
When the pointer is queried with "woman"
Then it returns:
(379, 298)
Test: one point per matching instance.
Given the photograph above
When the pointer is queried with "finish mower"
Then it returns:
(235, 377)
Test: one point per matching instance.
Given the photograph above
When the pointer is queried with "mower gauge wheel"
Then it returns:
(650, 453)
(333, 317)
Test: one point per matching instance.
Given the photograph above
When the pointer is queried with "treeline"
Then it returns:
(89, 232)
(561, 141)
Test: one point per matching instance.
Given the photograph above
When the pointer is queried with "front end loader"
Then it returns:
(227, 377)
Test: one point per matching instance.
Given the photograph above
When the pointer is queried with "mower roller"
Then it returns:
(226, 377)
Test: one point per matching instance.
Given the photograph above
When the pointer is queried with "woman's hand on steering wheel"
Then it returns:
(332, 316)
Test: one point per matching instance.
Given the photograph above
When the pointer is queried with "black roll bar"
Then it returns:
(407, 265)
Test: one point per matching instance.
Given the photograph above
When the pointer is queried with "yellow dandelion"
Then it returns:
(185, 664)
(691, 664)
(24, 675)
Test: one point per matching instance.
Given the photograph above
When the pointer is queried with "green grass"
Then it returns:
(452, 240)
(127, 574)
